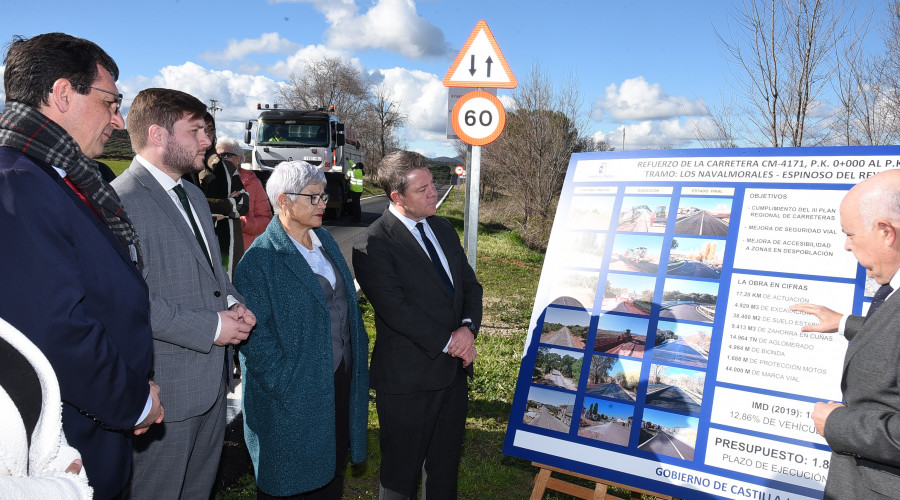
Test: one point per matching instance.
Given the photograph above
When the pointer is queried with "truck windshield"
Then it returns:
(293, 133)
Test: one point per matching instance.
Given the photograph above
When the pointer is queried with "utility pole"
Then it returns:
(212, 107)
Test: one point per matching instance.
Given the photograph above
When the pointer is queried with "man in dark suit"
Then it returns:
(195, 312)
(864, 431)
(427, 303)
(70, 278)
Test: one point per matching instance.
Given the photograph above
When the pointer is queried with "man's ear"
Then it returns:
(61, 95)
(395, 197)
(157, 135)
(887, 231)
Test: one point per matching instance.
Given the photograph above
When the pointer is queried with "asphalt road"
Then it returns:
(666, 444)
(546, 420)
(679, 352)
(610, 432)
(611, 390)
(683, 311)
(673, 398)
(701, 223)
(562, 337)
(696, 270)
(345, 230)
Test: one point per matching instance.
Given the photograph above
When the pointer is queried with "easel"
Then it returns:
(543, 481)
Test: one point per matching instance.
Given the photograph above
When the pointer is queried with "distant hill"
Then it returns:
(444, 159)
(119, 146)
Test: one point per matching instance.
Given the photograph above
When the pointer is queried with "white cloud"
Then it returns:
(296, 63)
(651, 134)
(237, 94)
(267, 43)
(635, 99)
(392, 25)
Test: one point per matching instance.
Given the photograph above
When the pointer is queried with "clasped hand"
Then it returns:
(462, 345)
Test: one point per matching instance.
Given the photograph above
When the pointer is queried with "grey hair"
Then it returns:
(291, 177)
(231, 143)
(880, 203)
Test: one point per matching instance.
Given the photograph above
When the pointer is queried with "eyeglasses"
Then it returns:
(118, 101)
(313, 198)
(227, 155)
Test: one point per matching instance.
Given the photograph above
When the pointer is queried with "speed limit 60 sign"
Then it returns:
(478, 118)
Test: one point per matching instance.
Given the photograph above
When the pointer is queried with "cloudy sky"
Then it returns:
(645, 69)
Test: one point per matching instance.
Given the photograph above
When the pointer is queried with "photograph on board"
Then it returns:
(621, 335)
(549, 409)
(590, 212)
(682, 343)
(669, 434)
(703, 216)
(689, 300)
(565, 327)
(612, 377)
(604, 420)
(644, 214)
(575, 288)
(576, 249)
(629, 293)
(557, 367)
(696, 257)
(675, 388)
(635, 253)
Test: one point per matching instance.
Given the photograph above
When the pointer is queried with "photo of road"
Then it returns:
(576, 249)
(668, 434)
(636, 253)
(590, 212)
(645, 214)
(680, 352)
(696, 257)
(549, 409)
(689, 300)
(675, 388)
(607, 421)
(703, 216)
(565, 327)
(621, 335)
(557, 367)
(575, 288)
(613, 377)
(629, 293)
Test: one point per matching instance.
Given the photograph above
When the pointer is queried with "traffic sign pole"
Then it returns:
(477, 117)
(473, 183)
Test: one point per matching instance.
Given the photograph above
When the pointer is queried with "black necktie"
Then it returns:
(878, 299)
(182, 197)
(435, 260)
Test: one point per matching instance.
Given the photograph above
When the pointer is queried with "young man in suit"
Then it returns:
(195, 312)
(427, 303)
(71, 280)
(864, 431)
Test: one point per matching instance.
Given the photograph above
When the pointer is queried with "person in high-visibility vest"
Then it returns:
(355, 174)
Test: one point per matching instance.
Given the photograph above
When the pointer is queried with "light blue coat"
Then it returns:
(288, 393)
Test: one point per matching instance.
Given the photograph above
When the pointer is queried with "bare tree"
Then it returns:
(381, 121)
(328, 81)
(531, 156)
(784, 47)
(719, 128)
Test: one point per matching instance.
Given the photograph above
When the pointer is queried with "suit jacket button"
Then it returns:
(217, 293)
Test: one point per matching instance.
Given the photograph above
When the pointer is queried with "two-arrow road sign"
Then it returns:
(474, 66)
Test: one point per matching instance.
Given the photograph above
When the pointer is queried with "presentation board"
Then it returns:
(661, 351)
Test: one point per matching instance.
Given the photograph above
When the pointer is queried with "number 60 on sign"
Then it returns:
(478, 118)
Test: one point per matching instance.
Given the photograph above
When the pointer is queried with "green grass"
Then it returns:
(117, 166)
(509, 273)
